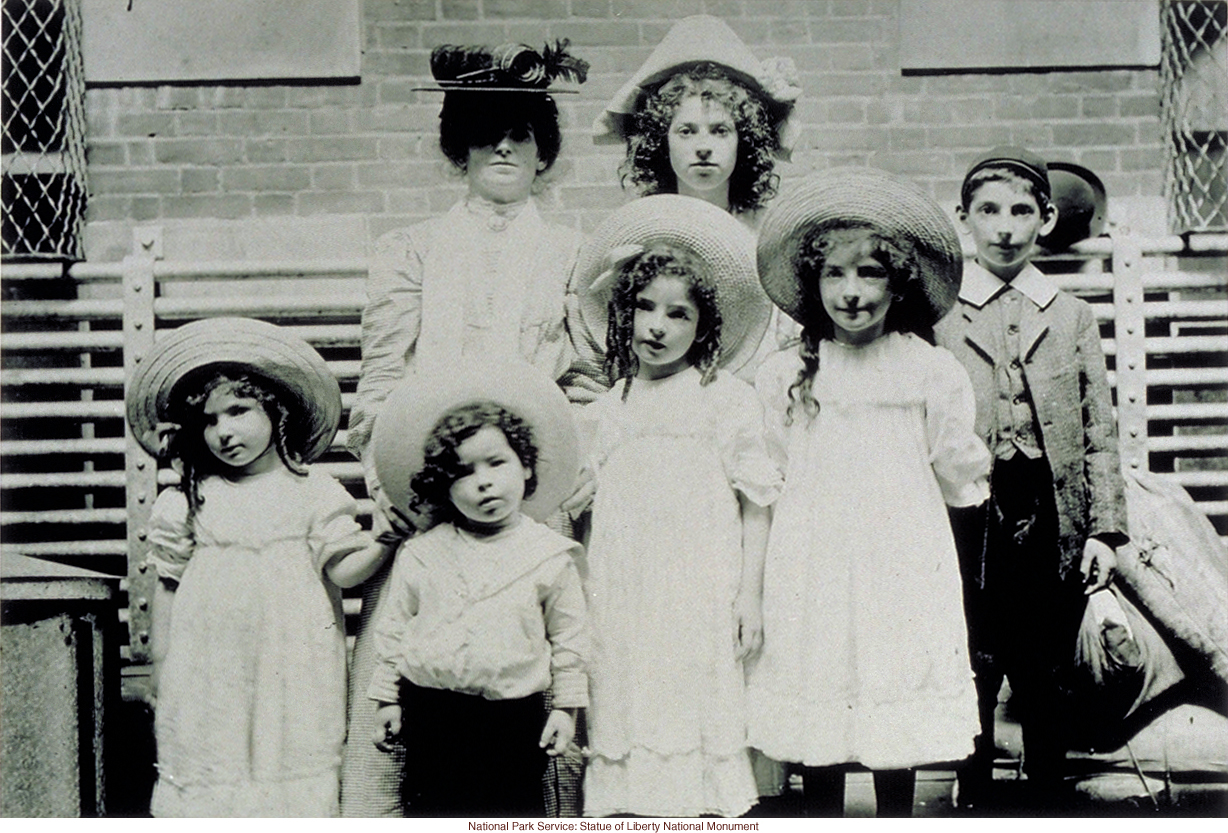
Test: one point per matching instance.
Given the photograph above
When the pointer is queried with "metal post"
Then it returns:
(141, 470)
(1129, 333)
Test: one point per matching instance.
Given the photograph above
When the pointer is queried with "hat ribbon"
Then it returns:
(615, 260)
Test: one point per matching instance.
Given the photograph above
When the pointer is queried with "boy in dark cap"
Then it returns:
(1046, 538)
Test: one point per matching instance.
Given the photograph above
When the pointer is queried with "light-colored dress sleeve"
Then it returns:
(772, 383)
(566, 618)
(397, 607)
(170, 536)
(334, 530)
(958, 456)
(749, 467)
(391, 323)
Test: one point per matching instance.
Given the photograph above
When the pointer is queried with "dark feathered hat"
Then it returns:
(511, 68)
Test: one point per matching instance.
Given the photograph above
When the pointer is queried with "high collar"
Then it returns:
(980, 286)
(496, 216)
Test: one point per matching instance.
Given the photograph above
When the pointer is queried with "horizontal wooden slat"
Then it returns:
(16, 448)
(89, 409)
(60, 342)
(47, 549)
(1191, 411)
(1189, 442)
(1201, 310)
(66, 516)
(63, 479)
(86, 377)
(259, 306)
(1199, 479)
(72, 310)
(1181, 345)
(240, 269)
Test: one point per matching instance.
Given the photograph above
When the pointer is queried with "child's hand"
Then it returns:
(747, 626)
(1098, 565)
(161, 436)
(557, 737)
(387, 727)
(586, 488)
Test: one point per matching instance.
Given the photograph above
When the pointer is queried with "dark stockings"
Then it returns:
(823, 791)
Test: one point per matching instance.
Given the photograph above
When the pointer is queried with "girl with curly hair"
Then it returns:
(680, 514)
(704, 118)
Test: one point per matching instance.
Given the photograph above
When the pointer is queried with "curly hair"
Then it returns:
(753, 181)
(441, 467)
(662, 261)
(189, 446)
(907, 313)
(481, 119)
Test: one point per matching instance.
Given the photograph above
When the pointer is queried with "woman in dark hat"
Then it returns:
(487, 279)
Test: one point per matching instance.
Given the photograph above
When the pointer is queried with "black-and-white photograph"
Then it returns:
(626, 416)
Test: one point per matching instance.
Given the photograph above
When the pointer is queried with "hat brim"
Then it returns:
(876, 199)
(415, 406)
(1081, 203)
(710, 233)
(264, 349)
(475, 88)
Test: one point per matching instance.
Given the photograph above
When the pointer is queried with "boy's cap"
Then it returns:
(420, 400)
(708, 232)
(878, 200)
(1021, 160)
(247, 345)
(702, 39)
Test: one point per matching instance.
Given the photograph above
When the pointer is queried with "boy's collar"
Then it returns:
(980, 286)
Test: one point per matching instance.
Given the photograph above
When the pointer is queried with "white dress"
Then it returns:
(865, 653)
(667, 718)
(250, 716)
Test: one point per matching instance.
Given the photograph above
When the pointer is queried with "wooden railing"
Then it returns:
(76, 488)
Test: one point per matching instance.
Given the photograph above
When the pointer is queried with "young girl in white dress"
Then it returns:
(681, 511)
(251, 550)
(865, 657)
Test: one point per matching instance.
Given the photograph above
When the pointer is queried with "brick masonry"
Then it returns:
(366, 151)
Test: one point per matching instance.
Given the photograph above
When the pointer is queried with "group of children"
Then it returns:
(599, 551)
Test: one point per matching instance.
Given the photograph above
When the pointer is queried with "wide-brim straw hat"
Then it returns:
(245, 345)
(418, 402)
(1081, 202)
(708, 232)
(697, 40)
(884, 202)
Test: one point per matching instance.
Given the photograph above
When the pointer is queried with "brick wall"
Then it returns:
(362, 157)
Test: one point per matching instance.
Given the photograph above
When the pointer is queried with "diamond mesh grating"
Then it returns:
(43, 137)
(1194, 112)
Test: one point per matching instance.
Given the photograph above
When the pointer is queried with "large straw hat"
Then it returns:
(711, 234)
(508, 68)
(276, 355)
(705, 39)
(885, 202)
(420, 400)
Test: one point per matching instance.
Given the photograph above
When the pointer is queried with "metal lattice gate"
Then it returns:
(1194, 110)
(43, 147)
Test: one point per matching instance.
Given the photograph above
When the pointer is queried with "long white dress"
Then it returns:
(667, 719)
(865, 653)
(251, 703)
